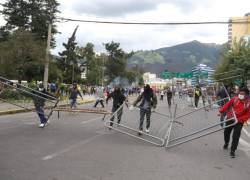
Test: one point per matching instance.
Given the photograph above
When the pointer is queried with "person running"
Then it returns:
(241, 106)
(100, 97)
(118, 100)
(169, 96)
(73, 93)
(148, 100)
(197, 95)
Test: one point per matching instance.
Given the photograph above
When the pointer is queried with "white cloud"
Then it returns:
(147, 37)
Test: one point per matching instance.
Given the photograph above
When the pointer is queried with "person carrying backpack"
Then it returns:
(148, 100)
(241, 106)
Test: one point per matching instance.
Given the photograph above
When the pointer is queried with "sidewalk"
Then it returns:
(6, 108)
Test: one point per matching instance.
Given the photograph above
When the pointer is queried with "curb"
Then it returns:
(16, 111)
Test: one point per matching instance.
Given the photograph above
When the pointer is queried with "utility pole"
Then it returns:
(102, 71)
(73, 73)
(46, 65)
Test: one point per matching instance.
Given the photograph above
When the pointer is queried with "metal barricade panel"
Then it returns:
(27, 99)
(129, 124)
(198, 123)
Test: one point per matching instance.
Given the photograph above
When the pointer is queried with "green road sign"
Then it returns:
(169, 75)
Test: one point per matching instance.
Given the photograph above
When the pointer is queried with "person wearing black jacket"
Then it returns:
(169, 96)
(39, 100)
(73, 93)
(148, 100)
(118, 100)
(197, 95)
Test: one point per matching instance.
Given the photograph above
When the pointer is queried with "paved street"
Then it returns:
(79, 147)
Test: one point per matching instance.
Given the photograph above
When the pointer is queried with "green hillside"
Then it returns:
(179, 58)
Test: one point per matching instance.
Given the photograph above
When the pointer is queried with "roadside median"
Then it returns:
(61, 104)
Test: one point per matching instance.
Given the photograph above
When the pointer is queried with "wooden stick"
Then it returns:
(82, 110)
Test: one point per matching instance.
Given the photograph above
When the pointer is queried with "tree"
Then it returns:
(236, 61)
(4, 34)
(117, 60)
(94, 64)
(87, 53)
(69, 59)
(21, 56)
(42, 13)
(31, 15)
(35, 16)
(16, 13)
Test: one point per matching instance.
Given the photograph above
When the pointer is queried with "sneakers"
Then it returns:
(147, 130)
(140, 133)
(232, 154)
(225, 147)
(41, 125)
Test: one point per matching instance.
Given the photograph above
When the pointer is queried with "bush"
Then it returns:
(10, 94)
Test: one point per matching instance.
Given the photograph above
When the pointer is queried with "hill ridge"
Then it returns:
(178, 58)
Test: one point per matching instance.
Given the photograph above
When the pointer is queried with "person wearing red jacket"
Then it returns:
(241, 107)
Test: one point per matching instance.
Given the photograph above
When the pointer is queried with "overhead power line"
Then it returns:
(153, 23)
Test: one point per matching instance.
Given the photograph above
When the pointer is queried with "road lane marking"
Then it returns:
(53, 155)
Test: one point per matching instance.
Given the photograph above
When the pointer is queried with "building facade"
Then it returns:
(238, 28)
(202, 74)
(155, 82)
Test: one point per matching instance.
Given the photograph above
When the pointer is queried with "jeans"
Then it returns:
(72, 103)
(119, 114)
(144, 112)
(40, 112)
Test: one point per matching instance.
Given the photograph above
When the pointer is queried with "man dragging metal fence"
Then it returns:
(148, 100)
(118, 100)
(39, 102)
(241, 105)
